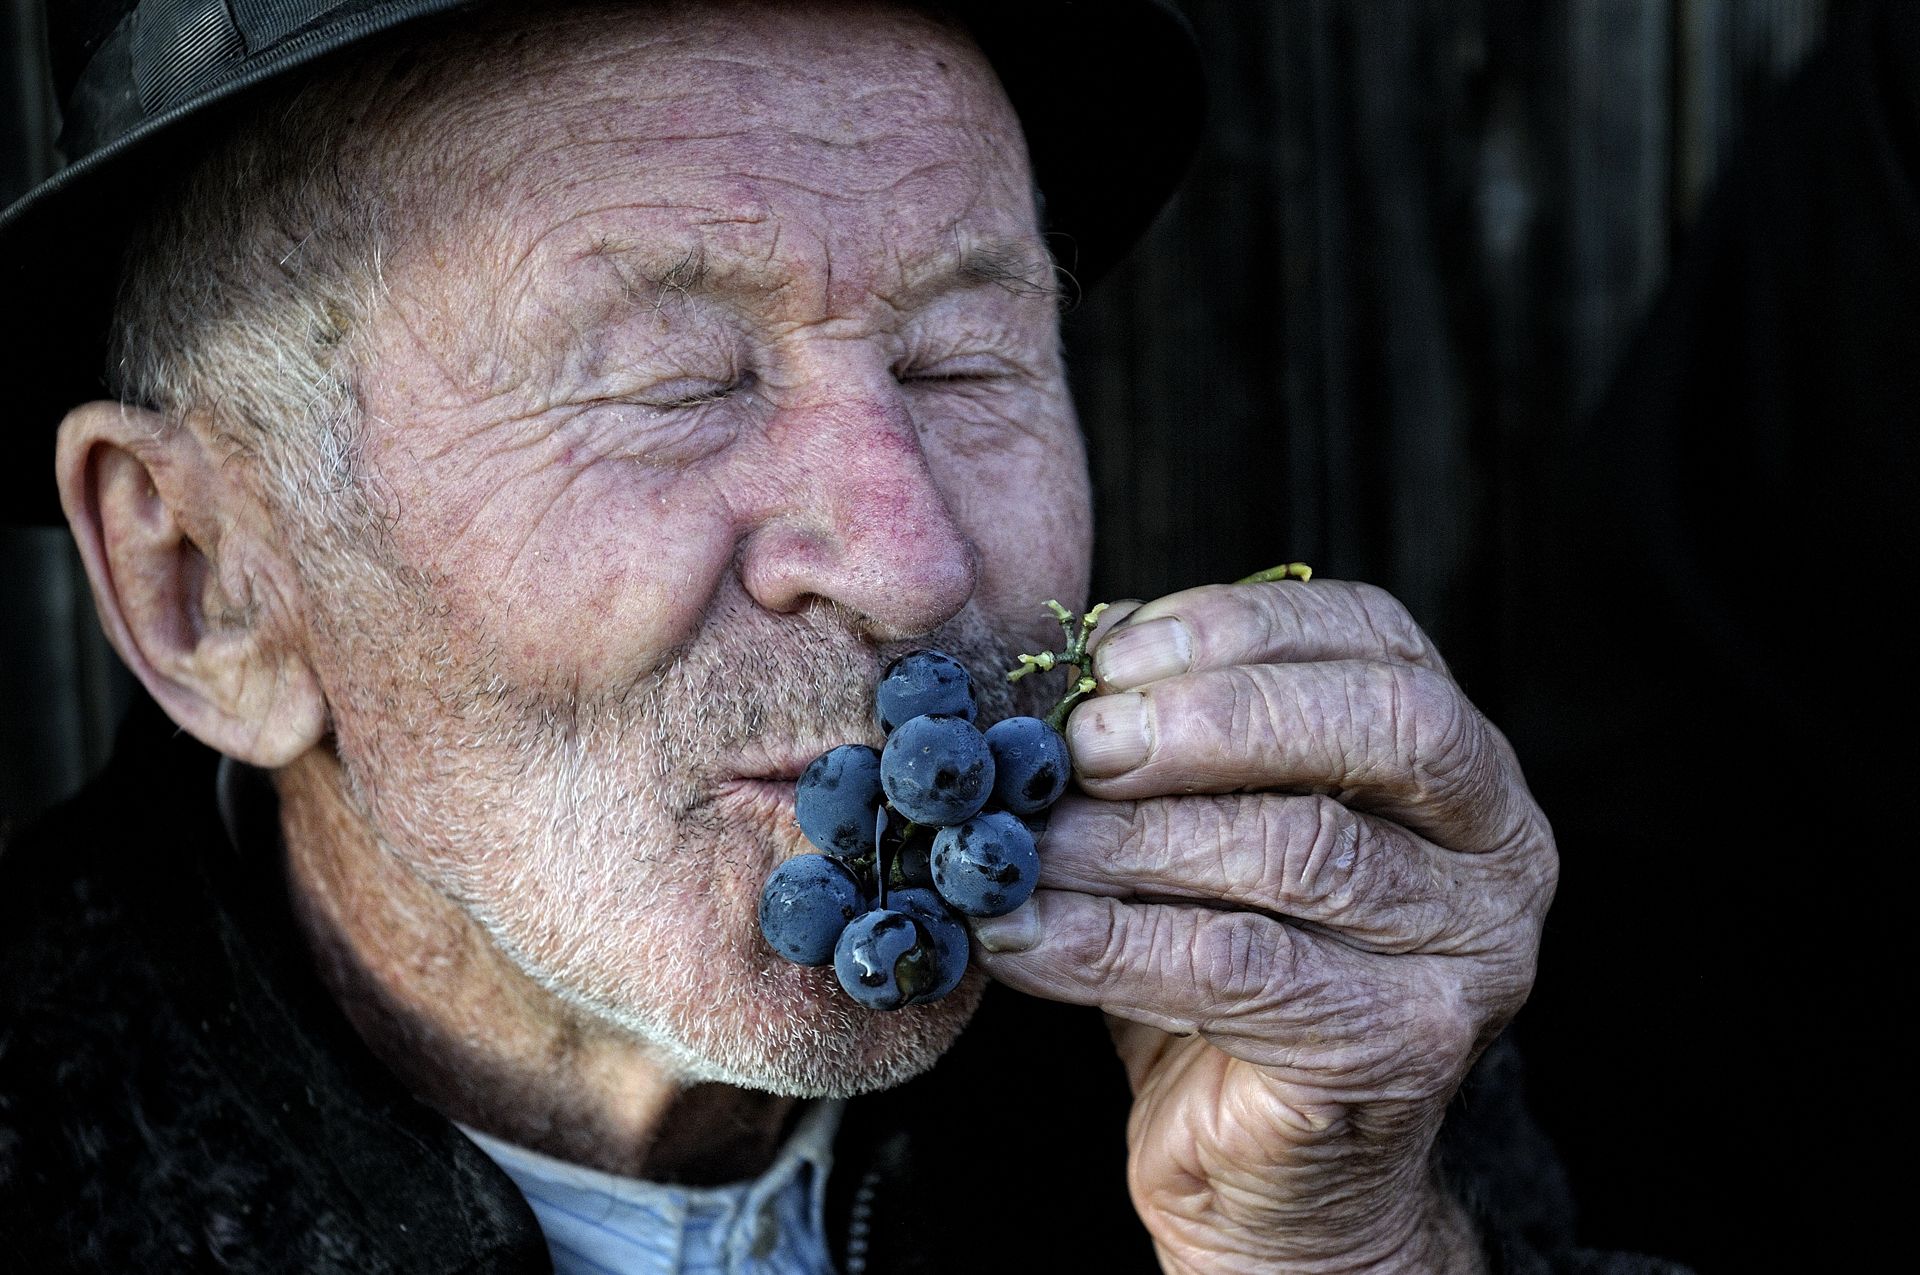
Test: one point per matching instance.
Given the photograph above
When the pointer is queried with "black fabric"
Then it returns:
(178, 1092)
(179, 48)
(169, 58)
(75, 31)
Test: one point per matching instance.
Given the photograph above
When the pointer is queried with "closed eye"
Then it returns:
(688, 392)
(972, 367)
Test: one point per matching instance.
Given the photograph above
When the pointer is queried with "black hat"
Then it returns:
(1109, 92)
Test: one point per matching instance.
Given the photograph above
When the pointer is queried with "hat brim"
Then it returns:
(1110, 95)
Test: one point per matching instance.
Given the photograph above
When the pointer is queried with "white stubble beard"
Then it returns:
(593, 839)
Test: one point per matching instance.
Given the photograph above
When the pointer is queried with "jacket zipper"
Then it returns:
(860, 1222)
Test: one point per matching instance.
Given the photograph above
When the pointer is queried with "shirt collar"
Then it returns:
(596, 1220)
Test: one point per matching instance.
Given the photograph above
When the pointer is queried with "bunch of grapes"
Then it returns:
(941, 824)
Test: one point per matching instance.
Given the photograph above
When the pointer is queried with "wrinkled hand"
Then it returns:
(1307, 890)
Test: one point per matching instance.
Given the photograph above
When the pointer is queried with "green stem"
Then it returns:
(1057, 718)
(1285, 571)
(1077, 634)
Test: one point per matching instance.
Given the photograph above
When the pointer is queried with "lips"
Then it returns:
(765, 772)
(762, 797)
(782, 773)
(785, 761)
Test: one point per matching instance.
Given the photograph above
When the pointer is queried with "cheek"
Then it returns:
(1028, 508)
(573, 575)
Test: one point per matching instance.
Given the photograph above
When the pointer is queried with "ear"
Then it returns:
(192, 591)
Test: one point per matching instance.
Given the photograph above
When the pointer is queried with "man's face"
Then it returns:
(718, 364)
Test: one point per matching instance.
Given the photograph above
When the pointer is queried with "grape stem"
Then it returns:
(1285, 571)
(1075, 654)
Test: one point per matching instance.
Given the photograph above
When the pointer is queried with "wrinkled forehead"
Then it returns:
(729, 115)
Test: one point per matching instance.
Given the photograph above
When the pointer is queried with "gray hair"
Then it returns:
(246, 286)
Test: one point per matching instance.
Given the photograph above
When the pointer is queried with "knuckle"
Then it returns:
(1500, 996)
(1547, 877)
(1272, 614)
(1320, 852)
(1106, 945)
(1238, 957)
(1435, 736)
(1393, 626)
(1252, 716)
(1540, 873)
(1479, 995)
(1143, 835)
(1448, 1031)
(1248, 840)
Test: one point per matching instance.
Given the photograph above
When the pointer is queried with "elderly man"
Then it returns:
(529, 438)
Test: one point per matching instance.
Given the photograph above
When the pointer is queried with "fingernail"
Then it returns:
(1017, 931)
(1140, 653)
(1108, 735)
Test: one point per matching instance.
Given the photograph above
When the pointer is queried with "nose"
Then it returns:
(854, 514)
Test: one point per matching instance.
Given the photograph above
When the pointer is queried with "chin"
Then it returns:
(771, 1026)
(806, 1039)
(682, 971)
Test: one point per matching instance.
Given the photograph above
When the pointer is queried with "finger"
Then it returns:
(1362, 881)
(1263, 991)
(1395, 739)
(1285, 622)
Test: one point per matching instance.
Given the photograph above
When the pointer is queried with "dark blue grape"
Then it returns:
(951, 945)
(883, 959)
(987, 866)
(805, 904)
(1037, 823)
(836, 799)
(923, 682)
(937, 770)
(1031, 765)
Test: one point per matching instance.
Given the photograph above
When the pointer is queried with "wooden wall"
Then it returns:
(1369, 334)
(1407, 258)
(61, 690)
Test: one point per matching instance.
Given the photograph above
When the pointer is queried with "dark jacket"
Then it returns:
(178, 1092)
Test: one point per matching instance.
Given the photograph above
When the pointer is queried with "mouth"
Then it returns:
(777, 782)
(778, 773)
(762, 778)
(766, 799)
(773, 781)
(784, 761)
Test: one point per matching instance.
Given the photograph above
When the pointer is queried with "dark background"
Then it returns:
(1381, 331)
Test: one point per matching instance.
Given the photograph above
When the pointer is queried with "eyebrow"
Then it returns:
(1021, 266)
(641, 271)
